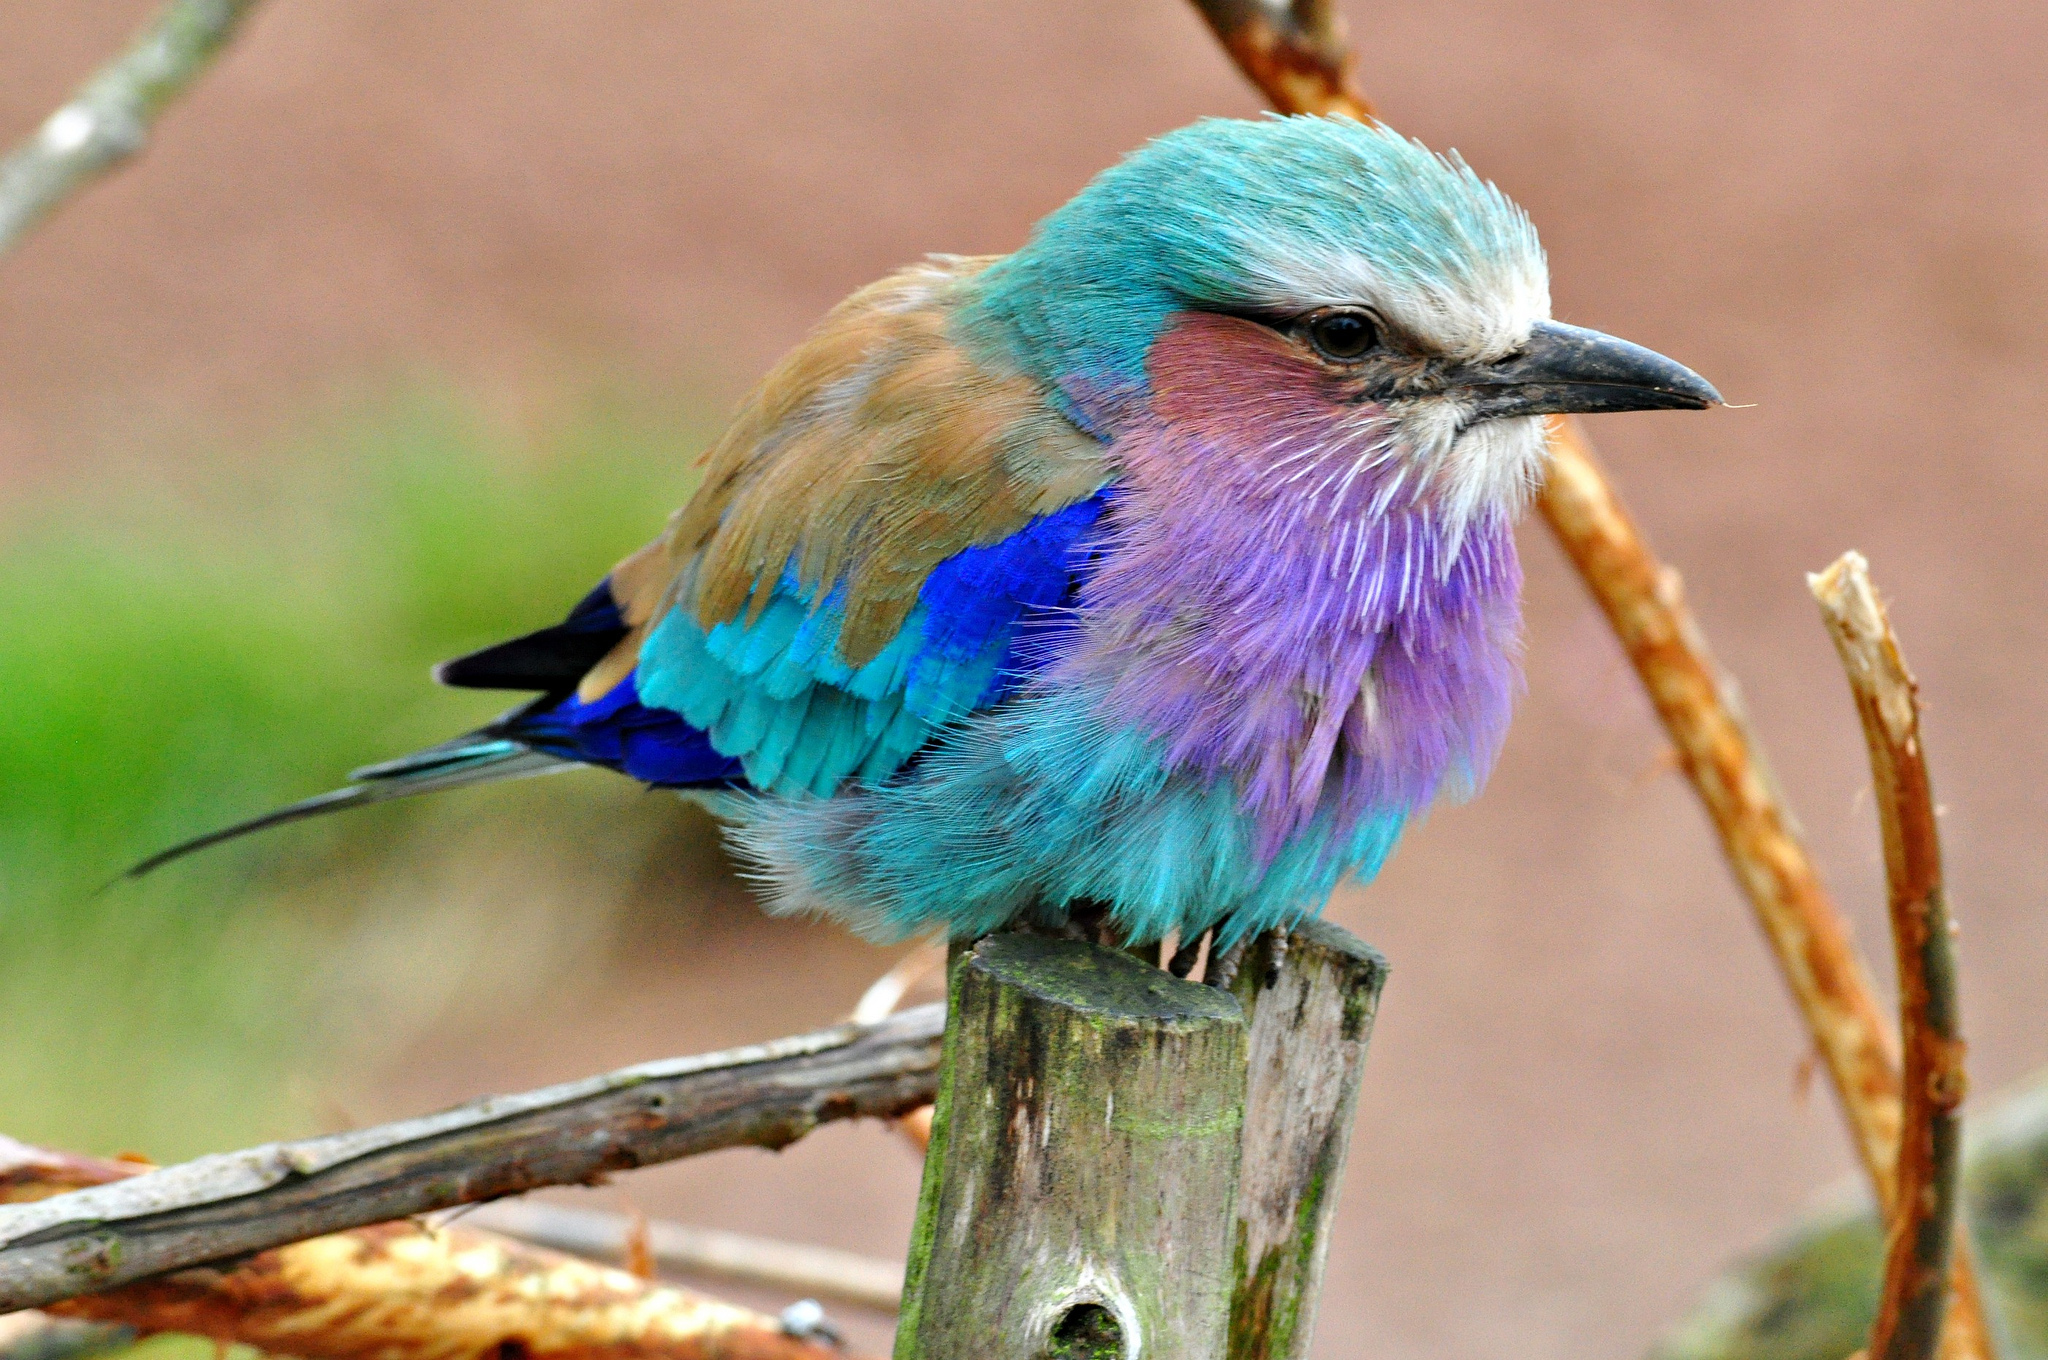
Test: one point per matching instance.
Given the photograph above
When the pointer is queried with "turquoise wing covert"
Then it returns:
(771, 686)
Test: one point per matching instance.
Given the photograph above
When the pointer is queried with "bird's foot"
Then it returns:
(1222, 970)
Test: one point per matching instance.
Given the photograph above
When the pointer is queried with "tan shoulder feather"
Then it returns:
(873, 451)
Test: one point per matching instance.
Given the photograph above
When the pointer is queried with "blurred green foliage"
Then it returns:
(1813, 1295)
(182, 650)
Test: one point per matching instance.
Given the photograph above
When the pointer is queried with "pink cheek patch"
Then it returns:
(1219, 375)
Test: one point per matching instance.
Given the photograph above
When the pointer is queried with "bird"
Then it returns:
(1159, 573)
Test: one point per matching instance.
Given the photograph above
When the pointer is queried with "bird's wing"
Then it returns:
(872, 537)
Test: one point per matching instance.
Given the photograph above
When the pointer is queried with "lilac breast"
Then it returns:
(1284, 602)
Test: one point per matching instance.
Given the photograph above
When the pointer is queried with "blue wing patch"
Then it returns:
(621, 733)
(774, 694)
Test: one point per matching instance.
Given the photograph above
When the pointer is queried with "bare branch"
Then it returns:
(398, 1291)
(688, 1250)
(1297, 52)
(108, 119)
(1644, 601)
(227, 1205)
(1923, 1218)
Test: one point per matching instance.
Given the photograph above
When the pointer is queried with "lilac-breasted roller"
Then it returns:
(1164, 566)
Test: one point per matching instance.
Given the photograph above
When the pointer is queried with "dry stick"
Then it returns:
(1923, 1222)
(393, 1292)
(689, 1250)
(1698, 702)
(1298, 53)
(1645, 604)
(108, 119)
(401, 1292)
(227, 1205)
(881, 998)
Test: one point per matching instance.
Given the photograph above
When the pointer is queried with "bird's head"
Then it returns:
(1310, 270)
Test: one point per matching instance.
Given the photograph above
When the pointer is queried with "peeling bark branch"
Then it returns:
(398, 1291)
(108, 119)
(1923, 1218)
(1700, 708)
(231, 1204)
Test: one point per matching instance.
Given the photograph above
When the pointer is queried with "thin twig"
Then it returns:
(886, 992)
(1923, 1221)
(1295, 50)
(1698, 702)
(1702, 711)
(1644, 601)
(687, 1250)
(108, 119)
(881, 998)
(227, 1205)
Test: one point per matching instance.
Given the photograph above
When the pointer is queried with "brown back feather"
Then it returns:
(872, 452)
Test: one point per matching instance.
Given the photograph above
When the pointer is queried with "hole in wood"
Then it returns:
(1088, 1332)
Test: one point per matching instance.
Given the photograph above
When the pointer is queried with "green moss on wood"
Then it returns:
(1086, 1139)
(1099, 981)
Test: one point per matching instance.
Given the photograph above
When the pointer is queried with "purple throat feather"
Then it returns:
(1286, 600)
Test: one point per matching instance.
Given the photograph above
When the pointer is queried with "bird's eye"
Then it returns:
(1344, 334)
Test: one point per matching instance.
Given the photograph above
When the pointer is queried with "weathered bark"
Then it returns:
(1311, 1003)
(397, 1291)
(400, 1291)
(1923, 1228)
(223, 1206)
(1082, 1180)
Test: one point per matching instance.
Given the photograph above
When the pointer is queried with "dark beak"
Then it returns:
(1566, 369)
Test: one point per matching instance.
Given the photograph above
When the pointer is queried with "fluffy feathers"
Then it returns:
(1086, 573)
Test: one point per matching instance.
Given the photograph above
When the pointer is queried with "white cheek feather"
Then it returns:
(1495, 465)
(1491, 468)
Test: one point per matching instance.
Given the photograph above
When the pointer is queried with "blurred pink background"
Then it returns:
(1581, 1097)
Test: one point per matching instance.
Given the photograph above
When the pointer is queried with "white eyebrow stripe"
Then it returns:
(1482, 310)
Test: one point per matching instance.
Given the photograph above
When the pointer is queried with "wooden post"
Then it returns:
(1082, 1177)
(1311, 1005)
(1083, 1198)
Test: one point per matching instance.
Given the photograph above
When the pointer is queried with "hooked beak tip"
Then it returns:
(1567, 370)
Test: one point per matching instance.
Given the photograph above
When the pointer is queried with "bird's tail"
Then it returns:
(485, 756)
